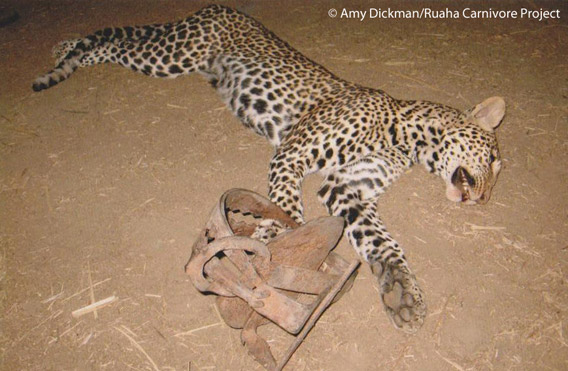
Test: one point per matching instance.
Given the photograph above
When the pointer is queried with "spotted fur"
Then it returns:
(361, 139)
(267, 229)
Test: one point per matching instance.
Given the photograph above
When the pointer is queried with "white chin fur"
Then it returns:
(453, 194)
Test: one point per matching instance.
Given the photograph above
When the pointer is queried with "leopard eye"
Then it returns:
(461, 176)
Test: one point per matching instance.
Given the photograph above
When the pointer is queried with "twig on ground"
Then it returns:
(92, 307)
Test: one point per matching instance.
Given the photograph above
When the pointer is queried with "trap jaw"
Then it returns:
(258, 282)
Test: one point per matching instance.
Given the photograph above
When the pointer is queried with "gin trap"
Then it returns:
(265, 268)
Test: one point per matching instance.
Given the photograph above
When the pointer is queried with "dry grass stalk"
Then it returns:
(420, 239)
(111, 111)
(444, 311)
(558, 328)
(94, 306)
(175, 106)
(475, 227)
(86, 289)
(129, 331)
(54, 297)
(139, 347)
(48, 318)
(348, 59)
(521, 247)
(430, 34)
(65, 332)
(91, 291)
(218, 314)
(86, 339)
(152, 296)
(399, 63)
(198, 329)
(449, 361)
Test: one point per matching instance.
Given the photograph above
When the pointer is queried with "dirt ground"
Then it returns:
(107, 178)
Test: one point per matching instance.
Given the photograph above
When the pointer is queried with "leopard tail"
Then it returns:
(60, 73)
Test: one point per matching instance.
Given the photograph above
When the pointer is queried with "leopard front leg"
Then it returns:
(352, 192)
(287, 171)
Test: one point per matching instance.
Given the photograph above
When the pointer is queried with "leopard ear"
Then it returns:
(489, 113)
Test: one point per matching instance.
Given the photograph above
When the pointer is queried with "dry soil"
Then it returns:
(107, 178)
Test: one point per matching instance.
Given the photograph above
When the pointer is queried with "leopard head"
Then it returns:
(470, 161)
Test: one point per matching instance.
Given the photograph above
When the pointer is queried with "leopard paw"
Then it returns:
(403, 298)
(267, 230)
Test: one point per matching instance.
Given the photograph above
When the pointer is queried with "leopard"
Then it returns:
(359, 139)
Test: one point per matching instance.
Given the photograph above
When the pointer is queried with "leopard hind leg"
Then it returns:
(110, 34)
(160, 50)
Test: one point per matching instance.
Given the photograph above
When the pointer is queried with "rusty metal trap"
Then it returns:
(265, 268)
